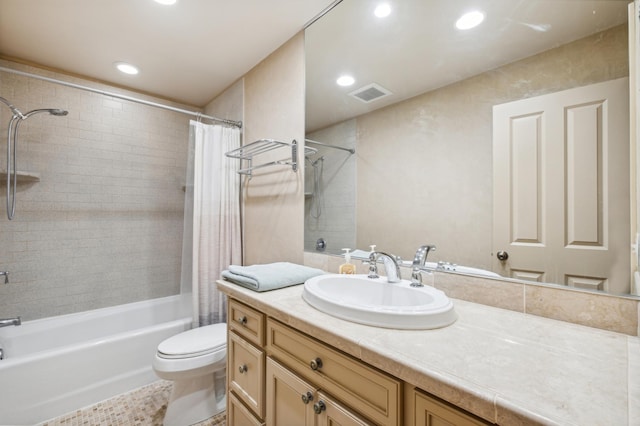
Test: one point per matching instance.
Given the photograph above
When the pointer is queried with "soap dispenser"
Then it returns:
(347, 267)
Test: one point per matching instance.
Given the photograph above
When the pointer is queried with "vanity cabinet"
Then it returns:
(245, 365)
(280, 376)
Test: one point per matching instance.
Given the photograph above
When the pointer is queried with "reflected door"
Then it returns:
(561, 187)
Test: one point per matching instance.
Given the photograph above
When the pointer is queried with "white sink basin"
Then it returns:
(379, 303)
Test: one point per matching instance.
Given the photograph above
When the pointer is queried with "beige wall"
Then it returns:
(273, 198)
(424, 165)
(103, 226)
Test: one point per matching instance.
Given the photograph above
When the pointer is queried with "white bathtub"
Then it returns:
(56, 365)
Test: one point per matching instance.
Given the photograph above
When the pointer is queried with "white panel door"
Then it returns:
(561, 187)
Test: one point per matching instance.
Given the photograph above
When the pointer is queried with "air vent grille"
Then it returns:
(370, 93)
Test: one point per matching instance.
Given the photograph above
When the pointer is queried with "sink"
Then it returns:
(379, 303)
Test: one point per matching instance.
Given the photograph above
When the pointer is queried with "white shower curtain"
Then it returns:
(212, 233)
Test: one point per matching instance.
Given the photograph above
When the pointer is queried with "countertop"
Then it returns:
(506, 367)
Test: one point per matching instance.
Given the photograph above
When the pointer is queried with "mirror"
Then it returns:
(420, 112)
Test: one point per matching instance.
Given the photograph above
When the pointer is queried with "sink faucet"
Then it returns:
(10, 321)
(419, 261)
(391, 267)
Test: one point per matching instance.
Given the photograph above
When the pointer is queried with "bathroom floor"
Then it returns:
(143, 406)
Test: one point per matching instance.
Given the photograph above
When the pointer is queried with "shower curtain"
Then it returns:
(212, 232)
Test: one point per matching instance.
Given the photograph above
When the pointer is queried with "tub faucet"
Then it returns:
(419, 261)
(391, 267)
(6, 276)
(10, 321)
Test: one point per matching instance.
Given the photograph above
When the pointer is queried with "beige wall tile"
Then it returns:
(590, 309)
(103, 226)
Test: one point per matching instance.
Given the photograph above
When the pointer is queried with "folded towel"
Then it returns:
(270, 276)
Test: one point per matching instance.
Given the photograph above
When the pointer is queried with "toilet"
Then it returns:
(195, 361)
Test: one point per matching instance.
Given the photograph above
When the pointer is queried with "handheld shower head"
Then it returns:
(56, 112)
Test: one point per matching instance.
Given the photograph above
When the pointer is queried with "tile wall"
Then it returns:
(103, 226)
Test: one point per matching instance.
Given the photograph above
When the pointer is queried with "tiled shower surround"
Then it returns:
(103, 225)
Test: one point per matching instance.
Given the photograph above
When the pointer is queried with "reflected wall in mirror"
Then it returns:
(424, 153)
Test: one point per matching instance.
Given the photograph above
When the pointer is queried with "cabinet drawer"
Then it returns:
(246, 321)
(238, 415)
(245, 373)
(363, 388)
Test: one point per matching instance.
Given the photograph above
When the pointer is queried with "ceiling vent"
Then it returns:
(370, 93)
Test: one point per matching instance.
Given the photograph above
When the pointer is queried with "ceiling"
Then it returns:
(188, 52)
(417, 47)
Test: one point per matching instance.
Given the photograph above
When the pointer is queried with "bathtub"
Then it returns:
(56, 365)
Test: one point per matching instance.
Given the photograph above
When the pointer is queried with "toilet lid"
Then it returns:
(194, 342)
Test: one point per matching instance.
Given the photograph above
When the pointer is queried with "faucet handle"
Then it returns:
(416, 277)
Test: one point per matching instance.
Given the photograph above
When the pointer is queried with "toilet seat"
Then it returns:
(194, 343)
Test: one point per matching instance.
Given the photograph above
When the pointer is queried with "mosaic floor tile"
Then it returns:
(141, 407)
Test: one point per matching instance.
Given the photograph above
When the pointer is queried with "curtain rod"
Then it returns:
(351, 150)
(124, 97)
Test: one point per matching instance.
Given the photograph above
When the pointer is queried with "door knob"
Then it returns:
(502, 255)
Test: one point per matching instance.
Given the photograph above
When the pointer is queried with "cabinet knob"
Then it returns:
(242, 320)
(243, 368)
(315, 364)
(307, 397)
(319, 407)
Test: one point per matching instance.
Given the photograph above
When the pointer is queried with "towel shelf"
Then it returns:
(261, 146)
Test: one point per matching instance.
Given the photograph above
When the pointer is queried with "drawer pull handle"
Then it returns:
(319, 407)
(315, 364)
(243, 368)
(242, 320)
(307, 397)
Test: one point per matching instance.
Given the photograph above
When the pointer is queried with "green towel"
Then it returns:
(270, 276)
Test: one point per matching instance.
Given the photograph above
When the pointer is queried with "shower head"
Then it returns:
(56, 112)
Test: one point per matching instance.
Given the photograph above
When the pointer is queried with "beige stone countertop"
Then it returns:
(506, 367)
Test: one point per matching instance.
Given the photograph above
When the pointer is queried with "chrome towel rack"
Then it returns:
(261, 146)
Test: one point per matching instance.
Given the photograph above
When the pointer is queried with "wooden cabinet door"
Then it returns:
(289, 398)
(334, 414)
(245, 372)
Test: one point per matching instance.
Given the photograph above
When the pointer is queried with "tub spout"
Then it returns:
(10, 321)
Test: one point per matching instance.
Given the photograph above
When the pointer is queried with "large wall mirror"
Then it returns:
(410, 152)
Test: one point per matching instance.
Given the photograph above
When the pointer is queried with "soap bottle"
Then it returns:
(347, 267)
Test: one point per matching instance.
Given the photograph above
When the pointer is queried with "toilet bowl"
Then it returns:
(195, 361)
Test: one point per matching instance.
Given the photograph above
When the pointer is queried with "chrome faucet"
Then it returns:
(391, 267)
(419, 260)
(10, 321)
(6, 276)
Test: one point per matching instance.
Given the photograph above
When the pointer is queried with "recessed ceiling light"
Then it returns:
(382, 10)
(345, 80)
(167, 2)
(470, 20)
(127, 68)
